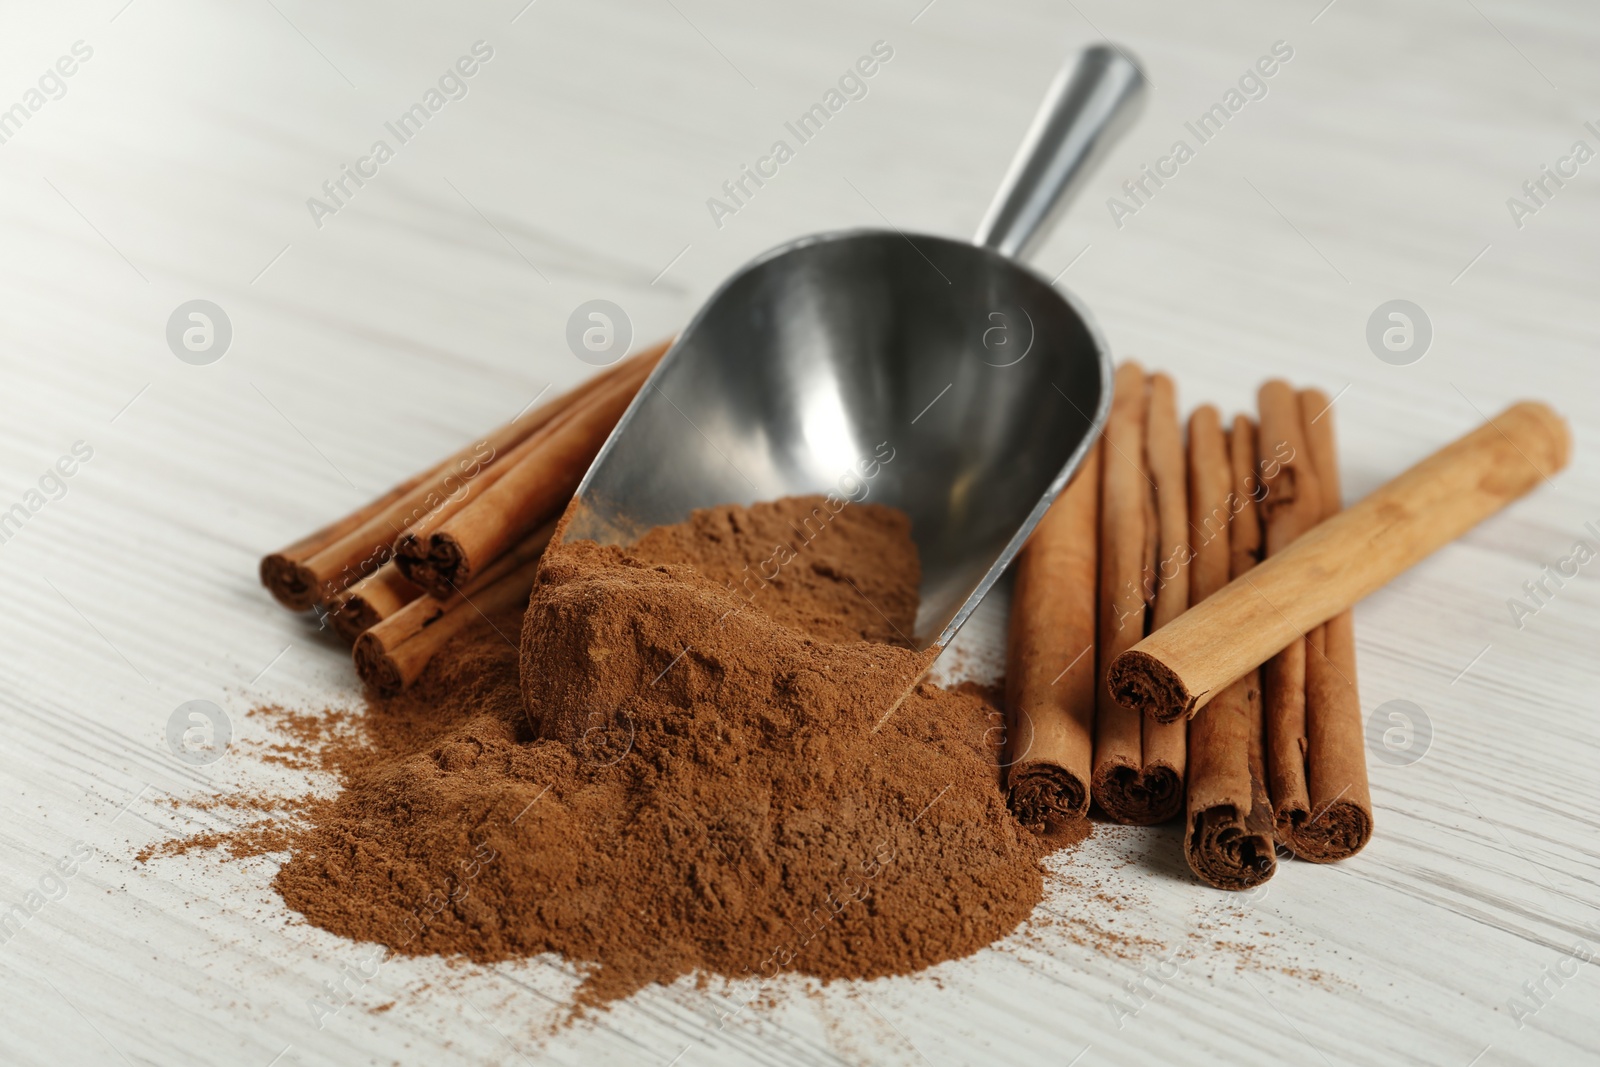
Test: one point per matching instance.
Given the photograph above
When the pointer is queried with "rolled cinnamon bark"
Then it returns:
(1050, 663)
(1291, 506)
(1176, 670)
(1122, 785)
(1228, 833)
(1211, 494)
(1245, 540)
(343, 562)
(1124, 486)
(281, 571)
(319, 568)
(1165, 745)
(413, 547)
(370, 601)
(1339, 821)
(1245, 544)
(392, 654)
(388, 589)
(529, 491)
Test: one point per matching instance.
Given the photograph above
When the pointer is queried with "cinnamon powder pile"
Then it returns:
(711, 754)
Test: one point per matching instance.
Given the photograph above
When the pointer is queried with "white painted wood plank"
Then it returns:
(177, 165)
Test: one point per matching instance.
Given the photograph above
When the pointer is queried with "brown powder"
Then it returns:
(858, 583)
(725, 765)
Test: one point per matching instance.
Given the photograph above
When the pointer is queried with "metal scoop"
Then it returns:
(940, 377)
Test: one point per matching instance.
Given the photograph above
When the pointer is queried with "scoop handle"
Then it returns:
(1089, 104)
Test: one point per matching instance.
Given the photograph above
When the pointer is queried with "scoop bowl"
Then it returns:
(941, 377)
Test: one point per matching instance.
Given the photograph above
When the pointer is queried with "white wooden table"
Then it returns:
(175, 164)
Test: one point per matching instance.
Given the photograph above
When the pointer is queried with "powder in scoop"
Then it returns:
(687, 769)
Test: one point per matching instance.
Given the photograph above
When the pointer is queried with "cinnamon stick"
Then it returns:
(370, 601)
(393, 653)
(1291, 506)
(1165, 745)
(413, 546)
(1050, 664)
(1246, 544)
(1121, 783)
(338, 565)
(1245, 541)
(280, 570)
(531, 489)
(1228, 832)
(1339, 822)
(319, 568)
(1177, 669)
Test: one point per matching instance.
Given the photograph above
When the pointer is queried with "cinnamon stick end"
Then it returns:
(421, 572)
(1141, 682)
(1045, 794)
(1224, 852)
(446, 569)
(1139, 796)
(290, 583)
(1341, 830)
(412, 568)
(375, 666)
(1559, 435)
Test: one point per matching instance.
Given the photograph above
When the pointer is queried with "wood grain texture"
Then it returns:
(177, 165)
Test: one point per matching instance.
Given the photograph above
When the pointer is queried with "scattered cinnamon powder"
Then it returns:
(713, 754)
